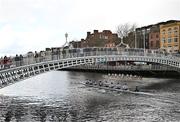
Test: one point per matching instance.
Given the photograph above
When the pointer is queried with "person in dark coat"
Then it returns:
(137, 89)
(21, 60)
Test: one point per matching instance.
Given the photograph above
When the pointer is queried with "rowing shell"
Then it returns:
(119, 90)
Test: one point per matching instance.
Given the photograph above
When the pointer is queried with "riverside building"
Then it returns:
(169, 36)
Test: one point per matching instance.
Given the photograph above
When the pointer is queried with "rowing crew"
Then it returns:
(107, 84)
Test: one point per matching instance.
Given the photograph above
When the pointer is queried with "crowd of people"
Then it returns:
(9, 62)
(5, 62)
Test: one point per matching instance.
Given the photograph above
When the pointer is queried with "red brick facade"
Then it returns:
(101, 39)
(97, 39)
(154, 38)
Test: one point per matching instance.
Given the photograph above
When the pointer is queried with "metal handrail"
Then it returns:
(84, 52)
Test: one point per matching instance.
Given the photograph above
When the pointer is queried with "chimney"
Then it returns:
(82, 40)
(88, 34)
(95, 31)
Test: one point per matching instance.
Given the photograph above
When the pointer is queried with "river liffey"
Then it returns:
(59, 96)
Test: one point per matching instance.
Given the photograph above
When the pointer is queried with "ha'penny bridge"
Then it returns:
(32, 66)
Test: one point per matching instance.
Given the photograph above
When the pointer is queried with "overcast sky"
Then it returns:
(29, 25)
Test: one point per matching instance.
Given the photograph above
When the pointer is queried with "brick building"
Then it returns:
(154, 37)
(97, 39)
(163, 35)
(101, 39)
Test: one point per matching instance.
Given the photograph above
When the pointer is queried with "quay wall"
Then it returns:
(161, 72)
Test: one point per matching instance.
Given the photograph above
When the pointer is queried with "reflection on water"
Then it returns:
(58, 96)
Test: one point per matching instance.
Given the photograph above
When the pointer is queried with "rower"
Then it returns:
(106, 84)
(137, 89)
(90, 82)
(87, 81)
(118, 86)
(100, 83)
(111, 85)
(125, 87)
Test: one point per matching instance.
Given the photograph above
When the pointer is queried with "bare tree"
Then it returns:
(124, 29)
(126, 33)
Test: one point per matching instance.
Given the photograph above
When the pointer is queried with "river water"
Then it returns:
(59, 96)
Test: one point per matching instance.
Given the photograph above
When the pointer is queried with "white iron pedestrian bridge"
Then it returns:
(32, 66)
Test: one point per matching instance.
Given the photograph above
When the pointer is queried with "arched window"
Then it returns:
(163, 31)
(176, 31)
(169, 31)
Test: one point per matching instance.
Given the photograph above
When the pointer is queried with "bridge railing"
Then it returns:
(73, 53)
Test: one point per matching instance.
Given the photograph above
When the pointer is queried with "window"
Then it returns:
(169, 40)
(176, 31)
(163, 40)
(163, 32)
(169, 46)
(151, 36)
(157, 43)
(151, 43)
(100, 36)
(105, 37)
(175, 28)
(157, 35)
(176, 45)
(169, 31)
(175, 39)
(176, 34)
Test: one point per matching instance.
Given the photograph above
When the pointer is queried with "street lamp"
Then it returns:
(135, 40)
(62, 49)
(66, 36)
(144, 39)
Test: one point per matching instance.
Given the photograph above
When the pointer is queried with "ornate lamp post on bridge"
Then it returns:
(144, 32)
(66, 36)
(144, 40)
(135, 43)
(62, 49)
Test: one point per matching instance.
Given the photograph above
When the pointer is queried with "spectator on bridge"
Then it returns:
(5, 62)
(1, 63)
(36, 56)
(21, 60)
(17, 60)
